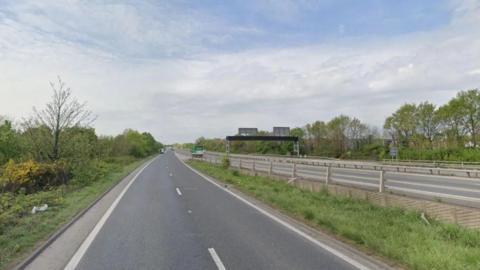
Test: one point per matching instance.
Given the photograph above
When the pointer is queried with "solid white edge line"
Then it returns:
(216, 259)
(284, 223)
(75, 260)
(179, 192)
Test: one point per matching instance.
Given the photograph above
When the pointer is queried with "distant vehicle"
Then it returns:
(197, 151)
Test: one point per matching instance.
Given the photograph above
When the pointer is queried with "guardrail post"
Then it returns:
(253, 166)
(270, 170)
(294, 170)
(328, 175)
(381, 186)
(240, 164)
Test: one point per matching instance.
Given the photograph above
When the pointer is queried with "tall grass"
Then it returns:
(399, 235)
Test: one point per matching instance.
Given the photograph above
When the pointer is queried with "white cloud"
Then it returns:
(185, 91)
(474, 72)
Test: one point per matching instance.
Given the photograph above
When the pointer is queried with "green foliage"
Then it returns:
(343, 137)
(441, 154)
(10, 143)
(402, 124)
(38, 141)
(14, 206)
(225, 162)
(447, 133)
(134, 143)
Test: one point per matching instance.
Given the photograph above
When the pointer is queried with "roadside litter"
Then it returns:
(42, 208)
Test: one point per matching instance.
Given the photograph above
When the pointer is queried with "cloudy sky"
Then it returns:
(184, 69)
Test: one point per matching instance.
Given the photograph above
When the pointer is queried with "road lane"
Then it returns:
(450, 189)
(149, 229)
(154, 228)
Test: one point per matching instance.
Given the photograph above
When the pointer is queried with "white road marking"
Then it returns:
(328, 248)
(75, 260)
(179, 192)
(216, 259)
(171, 174)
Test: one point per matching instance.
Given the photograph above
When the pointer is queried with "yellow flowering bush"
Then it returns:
(31, 176)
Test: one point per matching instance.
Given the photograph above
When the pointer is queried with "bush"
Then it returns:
(225, 162)
(458, 154)
(85, 173)
(31, 176)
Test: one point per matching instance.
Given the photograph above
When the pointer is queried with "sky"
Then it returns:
(185, 69)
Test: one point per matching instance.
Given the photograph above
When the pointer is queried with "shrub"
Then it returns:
(225, 162)
(31, 176)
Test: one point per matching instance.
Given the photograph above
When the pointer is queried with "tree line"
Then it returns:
(446, 132)
(58, 144)
(418, 131)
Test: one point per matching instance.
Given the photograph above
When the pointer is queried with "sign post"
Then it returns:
(393, 152)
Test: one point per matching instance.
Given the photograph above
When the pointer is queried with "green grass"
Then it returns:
(398, 235)
(17, 240)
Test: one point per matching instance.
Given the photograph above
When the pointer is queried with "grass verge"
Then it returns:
(399, 235)
(19, 239)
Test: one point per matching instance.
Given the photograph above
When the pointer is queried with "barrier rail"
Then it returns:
(449, 185)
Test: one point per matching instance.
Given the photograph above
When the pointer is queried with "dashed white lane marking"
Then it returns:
(287, 225)
(179, 192)
(75, 260)
(216, 259)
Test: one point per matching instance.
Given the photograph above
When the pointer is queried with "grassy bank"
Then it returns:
(20, 231)
(401, 236)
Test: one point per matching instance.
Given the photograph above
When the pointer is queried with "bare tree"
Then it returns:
(62, 112)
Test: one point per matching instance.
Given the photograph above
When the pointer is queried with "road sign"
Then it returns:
(281, 131)
(247, 131)
(393, 152)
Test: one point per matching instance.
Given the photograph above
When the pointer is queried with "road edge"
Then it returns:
(37, 251)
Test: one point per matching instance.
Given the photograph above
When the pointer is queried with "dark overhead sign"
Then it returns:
(281, 131)
(247, 131)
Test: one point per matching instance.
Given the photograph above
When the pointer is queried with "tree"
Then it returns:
(470, 109)
(38, 141)
(427, 121)
(401, 124)
(62, 112)
(316, 137)
(356, 131)
(452, 122)
(10, 145)
(338, 133)
(134, 143)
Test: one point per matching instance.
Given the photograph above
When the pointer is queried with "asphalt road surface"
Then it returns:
(172, 218)
(451, 189)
